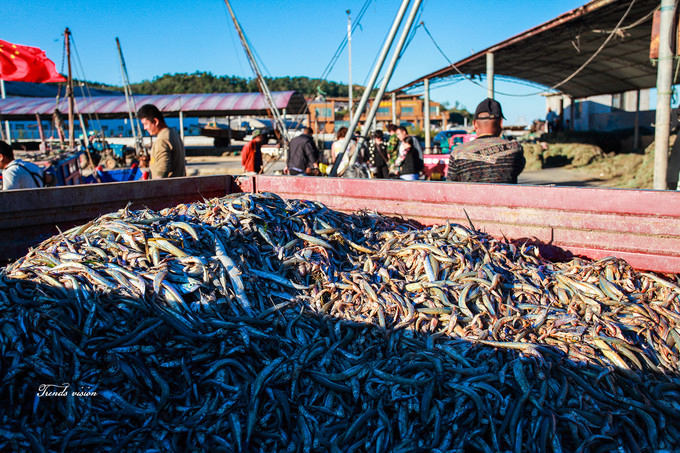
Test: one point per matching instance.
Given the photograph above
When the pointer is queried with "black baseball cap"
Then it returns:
(491, 107)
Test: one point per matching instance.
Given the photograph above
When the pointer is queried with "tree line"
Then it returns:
(206, 82)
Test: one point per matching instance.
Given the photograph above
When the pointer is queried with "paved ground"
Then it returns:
(231, 165)
(561, 177)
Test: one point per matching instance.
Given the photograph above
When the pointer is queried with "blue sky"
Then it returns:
(291, 38)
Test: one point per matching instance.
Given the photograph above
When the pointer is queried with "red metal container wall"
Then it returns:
(640, 226)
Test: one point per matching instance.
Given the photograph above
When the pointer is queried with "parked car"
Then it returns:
(436, 164)
(441, 140)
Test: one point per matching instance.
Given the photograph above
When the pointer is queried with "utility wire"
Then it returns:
(557, 85)
(357, 23)
(87, 93)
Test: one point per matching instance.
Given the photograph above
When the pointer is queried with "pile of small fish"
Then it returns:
(254, 323)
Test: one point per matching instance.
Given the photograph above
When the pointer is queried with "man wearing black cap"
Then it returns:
(488, 158)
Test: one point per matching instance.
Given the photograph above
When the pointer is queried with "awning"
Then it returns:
(209, 104)
(550, 52)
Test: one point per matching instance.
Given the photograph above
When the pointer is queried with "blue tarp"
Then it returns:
(120, 175)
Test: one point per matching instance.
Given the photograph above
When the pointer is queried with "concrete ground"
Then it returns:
(231, 165)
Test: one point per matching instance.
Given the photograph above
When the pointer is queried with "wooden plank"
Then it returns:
(641, 226)
(29, 216)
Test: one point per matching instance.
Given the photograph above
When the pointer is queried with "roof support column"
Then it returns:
(426, 108)
(489, 75)
(663, 95)
(181, 125)
(394, 108)
(636, 127)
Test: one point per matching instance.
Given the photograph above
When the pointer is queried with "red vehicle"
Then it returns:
(437, 163)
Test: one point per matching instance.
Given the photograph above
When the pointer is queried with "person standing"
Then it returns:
(377, 156)
(16, 173)
(303, 155)
(488, 158)
(407, 163)
(168, 158)
(336, 149)
(413, 143)
(392, 144)
(251, 154)
(551, 119)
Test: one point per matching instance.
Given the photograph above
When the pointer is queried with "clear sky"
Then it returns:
(291, 38)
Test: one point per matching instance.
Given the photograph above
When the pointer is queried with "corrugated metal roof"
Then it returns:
(198, 104)
(549, 52)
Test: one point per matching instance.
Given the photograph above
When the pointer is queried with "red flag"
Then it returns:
(26, 64)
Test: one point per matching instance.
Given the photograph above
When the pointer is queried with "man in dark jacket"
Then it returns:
(488, 158)
(303, 155)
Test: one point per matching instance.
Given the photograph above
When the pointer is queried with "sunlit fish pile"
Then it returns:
(254, 323)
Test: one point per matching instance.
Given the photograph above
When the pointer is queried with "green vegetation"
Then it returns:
(206, 82)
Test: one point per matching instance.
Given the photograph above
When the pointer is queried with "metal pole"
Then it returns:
(40, 131)
(426, 107)
(392, 65)
(261, 82)
(663, 96)
(636, 127)
(181, 125)
(349, 51)
(129, 100)
(489, 75)
(7, 134)
(69, 91)
(394, 108)
(371, 82)
(82, 128)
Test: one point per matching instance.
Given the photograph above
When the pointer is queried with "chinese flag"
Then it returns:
(26, 64)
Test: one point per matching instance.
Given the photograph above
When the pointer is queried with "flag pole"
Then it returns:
(7, 134)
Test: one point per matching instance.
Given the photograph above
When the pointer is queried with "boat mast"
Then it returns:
(260, 80)
(69, 90)
(130, 101)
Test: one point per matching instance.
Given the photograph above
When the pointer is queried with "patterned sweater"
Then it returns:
(486, 159)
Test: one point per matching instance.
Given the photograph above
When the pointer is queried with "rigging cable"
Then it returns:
(331, 64)
(83, 83)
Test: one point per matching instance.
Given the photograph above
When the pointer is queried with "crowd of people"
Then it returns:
(396, 154)
(390, 154)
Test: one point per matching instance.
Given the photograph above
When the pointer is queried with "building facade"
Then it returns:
(329, 115)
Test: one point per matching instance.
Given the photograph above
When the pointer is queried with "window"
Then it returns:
(434, 110)
(324, 112)
(407, 110)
